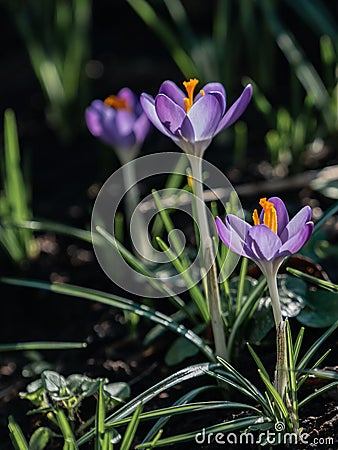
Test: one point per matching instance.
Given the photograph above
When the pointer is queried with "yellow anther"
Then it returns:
(270, 214)
(190, 181)
(117, 103)
(190, 87)
(255, 218)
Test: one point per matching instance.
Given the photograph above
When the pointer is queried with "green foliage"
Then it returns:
(14, 197)
(56, 34)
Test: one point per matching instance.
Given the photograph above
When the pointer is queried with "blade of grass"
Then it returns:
(117, 302)
(187, 408)
(224, 427)
(22, 346)
(168, 37)
(275, 395)
(314, 348)
(258, 361)
(99, 420)
(318, 392)
(70, 442)
(313, 280)
(181, 401)
(137, 265)
(188, 373)
(131, 429)
(194, 291)
(17, 437)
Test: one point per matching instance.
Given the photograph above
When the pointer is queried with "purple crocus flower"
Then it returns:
(119, 121)
(272, 237)
(192, 122)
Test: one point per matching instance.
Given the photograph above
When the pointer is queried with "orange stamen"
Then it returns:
(117, 103)
(190, 87)
(270, 214)
(255, 218)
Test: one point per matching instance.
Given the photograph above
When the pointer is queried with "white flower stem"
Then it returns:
(281, 372)
(208, 259)
(203, 227)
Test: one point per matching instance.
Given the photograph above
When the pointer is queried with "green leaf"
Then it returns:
(82, 385)
(178, 377)
(40, 438)
(321, 309)
(69, 439)
(117, 391)
(55, 384)
(99, 419)
(23, 346)
(224, 427)
(118, 302)
(131, 429)
(16, 435)
(180, 350)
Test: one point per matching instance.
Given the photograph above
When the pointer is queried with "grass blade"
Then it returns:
(118, 302)
(258, 361)
(318, 392)
(224, 427)
(194, 291)
(314, 348)
(16, 435)
(99, 420)
(70, 442)
(21, 346)
(131, 429)
(188, 373)
(275, 395)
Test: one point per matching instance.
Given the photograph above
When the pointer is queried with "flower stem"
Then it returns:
(208, 259)
(203, 227)
(281, 374)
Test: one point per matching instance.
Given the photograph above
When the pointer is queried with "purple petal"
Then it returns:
(205, 116)
(187, 130)
(230, 238)
(129, 96)
(214, 88)
(93, 116)
(141, 128)
(172, 91)
(170, 114)
(240, 226)
(125, 122)
(236, 110)
(282, 214)
(296, 223)
(148, 105)
(263, 242)
(296, 242)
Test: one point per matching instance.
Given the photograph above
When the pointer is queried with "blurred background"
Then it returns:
(59, 55)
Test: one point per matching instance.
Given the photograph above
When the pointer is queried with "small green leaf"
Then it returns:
(55, 384)
(180, 350)
(131, 429)
(321, 309)
(117, 391)
(40, 438)
(16, 435)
